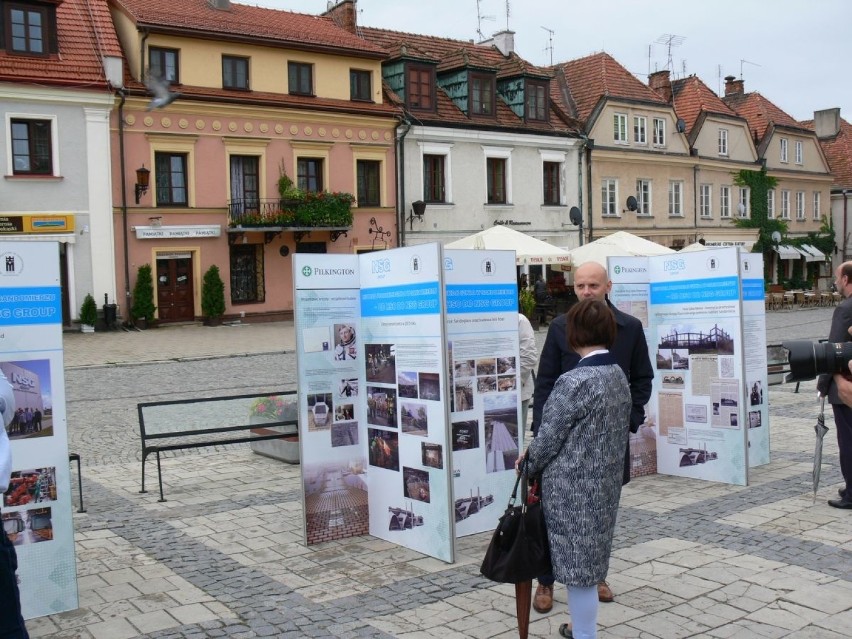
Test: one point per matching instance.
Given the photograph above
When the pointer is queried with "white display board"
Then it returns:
(484, 373)
(754, 351)
(695, 317)
(405, 370)
(37, 508)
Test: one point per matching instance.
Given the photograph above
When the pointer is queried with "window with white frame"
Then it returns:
(498, 175)
(783, 149)
(437, 176)
(785, 205)
(640, 129)
(609, 197)
(619, 128)
(659, 132)
(800, 205)
(723, 141)
(724, 201)
(704, 200)
(799, 152)
(676, 198)
(817, 212)
(553, 168)
(744, 205)
(770, 203)
(643, 197)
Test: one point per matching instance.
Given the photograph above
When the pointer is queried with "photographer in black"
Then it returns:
(828, 386)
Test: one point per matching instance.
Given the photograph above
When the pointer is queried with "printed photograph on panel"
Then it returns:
(695, 456)
(344, 412)
(406, 381)
(466, 435)
(31, 486)
(505, 365)
(381, 406)
(381, 363)
(29, 526)
(320, 413)
(462, 395)
(472, 504)
(430, 386)
(465, 368)
(754, 419)
(348, 388)
(694, 338)
(432, 455)
(345, 345)
(756, 394)
(415, 484)
(486, 384)
(329, 484)
(384, 448)
(486, 366)
(501, 431)
(506, 383)
(413, 418)
(30, 381)
(344, 434)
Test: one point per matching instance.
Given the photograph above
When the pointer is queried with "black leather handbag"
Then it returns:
(519, 550)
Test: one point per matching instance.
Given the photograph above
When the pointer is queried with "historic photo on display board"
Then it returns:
(344, 434)
(466, 435)
(381, 406)
(696, 338)
(414, 418)
(501, 431)
(320, 411)
(345, 344)
(415, 483)
(381, 363)
(463, 395)
(486, 366)
(465, 368)
(754, 419)
(31, 386)
(327, 485)
(348, 388)
(384, 448)
(432, 455)
(407, 383)
(505, 365)
(430, 386)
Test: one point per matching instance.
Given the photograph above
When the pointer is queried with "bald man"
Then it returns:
(591, 281)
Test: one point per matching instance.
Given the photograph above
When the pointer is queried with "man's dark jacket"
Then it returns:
(630, 351)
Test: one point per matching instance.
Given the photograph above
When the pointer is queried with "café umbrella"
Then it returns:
(820, 429)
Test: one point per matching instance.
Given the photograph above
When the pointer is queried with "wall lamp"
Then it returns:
(418, 208)
(143, 176)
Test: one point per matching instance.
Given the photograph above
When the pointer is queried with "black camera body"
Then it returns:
(809, 359)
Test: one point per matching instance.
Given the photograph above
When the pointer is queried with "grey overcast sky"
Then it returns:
(796, 54)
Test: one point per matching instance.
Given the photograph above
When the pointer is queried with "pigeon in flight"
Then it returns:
(160, 90)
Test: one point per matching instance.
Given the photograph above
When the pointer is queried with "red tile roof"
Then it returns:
(452, 54)
(759, 112)
(85, 33)
(599, 75)
(838, 152)
(692, 97)
(246, 22)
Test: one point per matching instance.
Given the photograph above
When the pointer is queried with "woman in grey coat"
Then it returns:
(579, 451)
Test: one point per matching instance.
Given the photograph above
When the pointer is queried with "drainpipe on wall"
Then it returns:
(845, 223)
(695, 170)
(145, 35)
(402, 130)
(589, 145)
(122, 94)
(580, 152)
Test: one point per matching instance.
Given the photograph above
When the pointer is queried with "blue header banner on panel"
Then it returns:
(421, 298)
(714, 289)
(481, 298)
(30, 305)
(753, 291)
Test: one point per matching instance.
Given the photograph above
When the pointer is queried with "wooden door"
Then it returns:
(174, 290)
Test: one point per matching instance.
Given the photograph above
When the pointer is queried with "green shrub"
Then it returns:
(212, 293)
(143, 294)
(89, 311)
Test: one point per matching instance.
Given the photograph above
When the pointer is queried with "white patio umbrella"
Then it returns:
(619, 244)
(528, 250)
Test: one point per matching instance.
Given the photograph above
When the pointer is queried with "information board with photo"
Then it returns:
(754, 352)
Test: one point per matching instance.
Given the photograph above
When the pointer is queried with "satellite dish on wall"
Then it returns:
(680, 125)
(575, 215)
(776, 237)
(632, 204)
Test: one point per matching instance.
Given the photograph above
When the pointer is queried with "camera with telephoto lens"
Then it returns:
(809, 359)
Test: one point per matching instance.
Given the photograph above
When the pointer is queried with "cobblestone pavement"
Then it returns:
(223, 556)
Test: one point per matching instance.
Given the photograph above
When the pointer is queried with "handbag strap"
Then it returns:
(523, 482)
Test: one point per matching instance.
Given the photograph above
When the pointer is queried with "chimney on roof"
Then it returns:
(660, 81)
(222, 5)
(344, 14)
(503, 40)
(733, 86)
(827, 123)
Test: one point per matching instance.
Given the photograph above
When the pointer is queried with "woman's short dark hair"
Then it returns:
(591, 323)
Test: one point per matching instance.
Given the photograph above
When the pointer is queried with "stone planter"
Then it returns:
(87, 328)
(285, 449)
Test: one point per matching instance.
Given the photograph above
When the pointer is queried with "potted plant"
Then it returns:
(212, 297)
(526, 302)
(142, 310)
(88, 314)
(264, 413)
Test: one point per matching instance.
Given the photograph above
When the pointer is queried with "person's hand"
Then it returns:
(844, 388)
(519, 461)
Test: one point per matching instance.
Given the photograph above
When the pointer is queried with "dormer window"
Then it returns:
(536, 102)
(28, 29)
(481, 94)
(421, 87)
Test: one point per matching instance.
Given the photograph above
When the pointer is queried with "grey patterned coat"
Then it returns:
(579, 450)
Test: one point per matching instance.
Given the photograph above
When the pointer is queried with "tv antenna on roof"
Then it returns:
(671, 41)
(742, 62)
(549, 46)
(479, 18)
(507, 15)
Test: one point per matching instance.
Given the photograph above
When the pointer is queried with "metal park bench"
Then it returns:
(195, 423)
